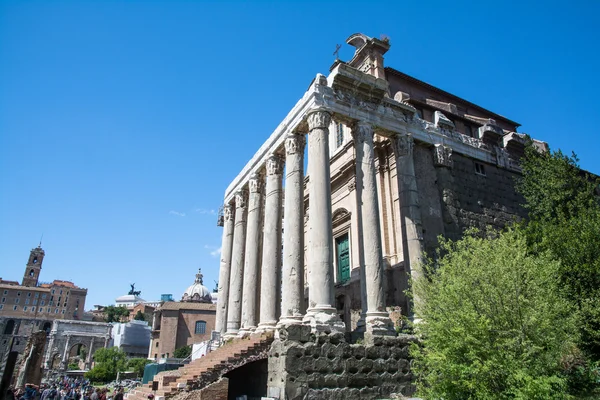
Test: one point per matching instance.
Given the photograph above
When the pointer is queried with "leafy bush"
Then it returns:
(107, 363)
(490, 328)
(137, 365)
(183, 352)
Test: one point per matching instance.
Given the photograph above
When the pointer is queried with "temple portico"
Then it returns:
(360, 213)
(263, 284)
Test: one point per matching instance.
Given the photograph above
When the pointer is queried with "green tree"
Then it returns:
(490, 329)
(73, 366)
(139, 316)
(183, 352)
(564, 212)
(100, 373)
(107, 363)
(115, 314)
(137, 365)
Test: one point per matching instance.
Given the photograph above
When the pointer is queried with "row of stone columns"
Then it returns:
(280, 291)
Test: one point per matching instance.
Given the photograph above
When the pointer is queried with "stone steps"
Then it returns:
(206, 367)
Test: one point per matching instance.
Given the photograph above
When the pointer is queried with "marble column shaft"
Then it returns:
(377, 318)
(234, 306)
(292, 290)
(88, 361)
(320, 313)
(225, 269)
(409, 203)
(270, 284)
(66, 352)
(250, 296)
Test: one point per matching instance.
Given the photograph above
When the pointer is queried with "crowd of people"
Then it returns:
(64, 389)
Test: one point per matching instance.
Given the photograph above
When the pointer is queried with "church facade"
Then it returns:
(177, 324)
(393, 163)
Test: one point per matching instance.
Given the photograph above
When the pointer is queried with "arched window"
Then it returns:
(10, 327)
(200, 327)
(31, 273)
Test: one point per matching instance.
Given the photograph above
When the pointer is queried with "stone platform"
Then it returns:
(305, 366)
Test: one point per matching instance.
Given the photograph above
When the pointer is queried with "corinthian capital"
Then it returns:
(241, 198)
(403, 145)
(362, 132)
(255, 183)
(442, 156)
(274, 165)
(318, 120)
(294, 144)
(228, 212)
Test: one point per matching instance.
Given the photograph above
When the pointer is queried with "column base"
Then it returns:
(324, 319)
(231, 334)
(266, 327)
(246, 331)
(379, 323)
(290, 320)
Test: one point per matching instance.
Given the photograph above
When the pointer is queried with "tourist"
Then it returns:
(119, 394)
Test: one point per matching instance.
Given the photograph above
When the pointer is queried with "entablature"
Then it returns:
(350, 95)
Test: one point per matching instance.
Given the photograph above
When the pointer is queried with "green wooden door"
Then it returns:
(343, 257)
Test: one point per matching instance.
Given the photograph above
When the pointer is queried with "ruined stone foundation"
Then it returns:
(305, 366)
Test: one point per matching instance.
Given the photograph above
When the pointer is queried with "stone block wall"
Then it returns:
(454, 199)
(327, 367)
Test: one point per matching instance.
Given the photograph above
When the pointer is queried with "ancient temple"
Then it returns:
(393, 162)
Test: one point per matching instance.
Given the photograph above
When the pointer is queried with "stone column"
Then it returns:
(88, 361)
(64, 362)
(270, 283)
(320, 315)
(377, 318)
(252, 263)
(409, 205)
(49, 351)
(292, 284)
(234, 306)
(225, 269)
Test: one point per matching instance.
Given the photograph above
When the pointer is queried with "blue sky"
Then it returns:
(122, 122)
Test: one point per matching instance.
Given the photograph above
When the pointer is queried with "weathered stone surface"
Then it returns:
(323, 369)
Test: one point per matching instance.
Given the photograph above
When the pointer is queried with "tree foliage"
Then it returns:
(139, 316)
(564, 212)
(137, 365)
(183, 352)
(108, 362)
(115, 314)
(490, 331)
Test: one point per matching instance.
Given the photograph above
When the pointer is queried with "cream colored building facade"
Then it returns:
(392, 164)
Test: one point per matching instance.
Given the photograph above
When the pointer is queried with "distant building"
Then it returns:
(132, 337)
(33, 299)
(29, 308)
(74, 342)
(181, 323)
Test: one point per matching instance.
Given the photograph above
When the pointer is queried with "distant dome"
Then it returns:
(197, 292)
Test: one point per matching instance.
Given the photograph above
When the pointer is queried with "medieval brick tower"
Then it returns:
(34, 267)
